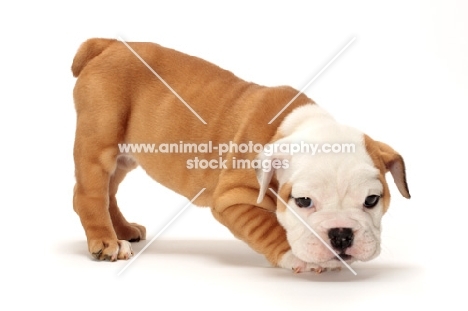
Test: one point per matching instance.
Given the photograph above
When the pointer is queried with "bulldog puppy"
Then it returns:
(186, 101)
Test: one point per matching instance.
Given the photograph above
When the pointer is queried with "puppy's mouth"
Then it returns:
(344, 257)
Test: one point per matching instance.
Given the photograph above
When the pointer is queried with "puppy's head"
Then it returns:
(336, 185)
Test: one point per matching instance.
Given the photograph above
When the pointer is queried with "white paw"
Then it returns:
(290, 261)
(125, 250)
(110, 249)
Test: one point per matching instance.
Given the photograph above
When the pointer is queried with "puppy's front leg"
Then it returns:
(260, 229)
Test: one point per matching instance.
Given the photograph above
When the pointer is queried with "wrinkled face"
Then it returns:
(341, 196)
(341, 199)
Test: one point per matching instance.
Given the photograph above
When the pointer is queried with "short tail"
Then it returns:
(87, 51)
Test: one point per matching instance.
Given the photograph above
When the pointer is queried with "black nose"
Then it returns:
(341, 238)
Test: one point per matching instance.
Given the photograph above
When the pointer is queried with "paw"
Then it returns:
(110, 250)
(290, 261)
(131, 232)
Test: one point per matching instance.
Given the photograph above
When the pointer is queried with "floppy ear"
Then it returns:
(396, 166)
(264, 179)
(266, 169)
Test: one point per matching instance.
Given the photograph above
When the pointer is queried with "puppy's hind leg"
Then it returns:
(125, 231)
(95, 154)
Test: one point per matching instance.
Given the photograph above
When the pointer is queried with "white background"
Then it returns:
(403, 81)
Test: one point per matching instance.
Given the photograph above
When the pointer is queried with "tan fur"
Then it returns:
(284, 193)
(387, 160)
(118, 100)
(89, 50)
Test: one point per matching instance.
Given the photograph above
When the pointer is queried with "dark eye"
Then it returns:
(304, 202)
(371, 201)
